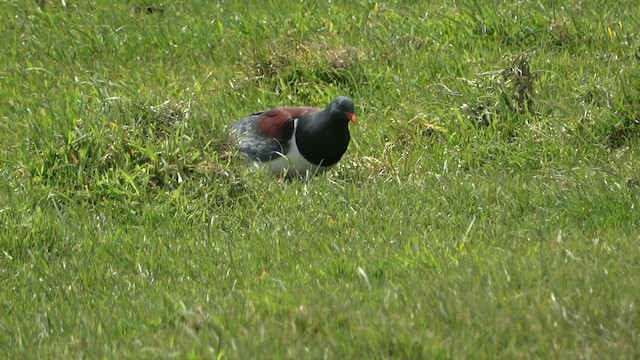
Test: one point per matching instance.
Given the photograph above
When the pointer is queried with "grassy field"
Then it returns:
(488, 205)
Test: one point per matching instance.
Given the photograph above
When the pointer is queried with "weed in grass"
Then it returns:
(149, 10)
(519, 78)
(507, 100)
(560, 31)
(627, 111)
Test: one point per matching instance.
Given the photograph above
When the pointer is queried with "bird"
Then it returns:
(296, 141)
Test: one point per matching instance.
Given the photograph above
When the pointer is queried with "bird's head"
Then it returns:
(343, 106)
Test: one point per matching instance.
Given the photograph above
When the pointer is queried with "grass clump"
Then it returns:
(134, 147)
(302, 70)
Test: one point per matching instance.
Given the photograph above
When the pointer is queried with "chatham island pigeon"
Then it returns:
(296, 141)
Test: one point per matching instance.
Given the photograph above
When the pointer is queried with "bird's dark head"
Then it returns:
(343, 106)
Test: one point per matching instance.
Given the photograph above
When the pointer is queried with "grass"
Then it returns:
(487, 207)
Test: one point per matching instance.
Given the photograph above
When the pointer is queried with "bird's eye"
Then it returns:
(340, 107)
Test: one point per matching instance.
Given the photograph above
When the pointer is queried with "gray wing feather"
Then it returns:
(252, 143)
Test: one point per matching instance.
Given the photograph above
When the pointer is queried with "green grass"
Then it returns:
(488, 205)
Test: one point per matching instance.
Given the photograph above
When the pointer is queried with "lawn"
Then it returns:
(488, 205)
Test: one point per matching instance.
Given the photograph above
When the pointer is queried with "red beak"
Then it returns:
(351, 116)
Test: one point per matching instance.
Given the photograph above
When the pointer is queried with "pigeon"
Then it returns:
(296, 141)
